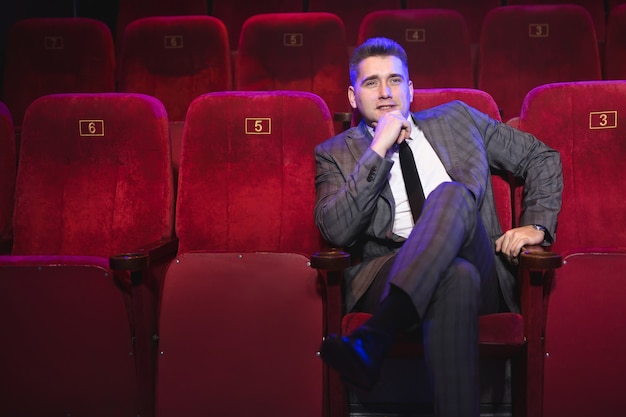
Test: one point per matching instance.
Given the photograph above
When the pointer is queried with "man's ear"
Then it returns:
(351, 97)
(411, 90)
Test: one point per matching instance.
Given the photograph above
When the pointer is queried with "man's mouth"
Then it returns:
(386, 107)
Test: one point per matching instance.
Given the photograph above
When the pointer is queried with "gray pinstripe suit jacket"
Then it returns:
(355, 206)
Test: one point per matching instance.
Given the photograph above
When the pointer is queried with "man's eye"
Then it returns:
(396, 81)
(370, 83)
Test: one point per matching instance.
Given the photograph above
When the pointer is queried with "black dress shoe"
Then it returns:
(357, 357)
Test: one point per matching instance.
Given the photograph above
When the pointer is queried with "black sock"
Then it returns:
(395, 314)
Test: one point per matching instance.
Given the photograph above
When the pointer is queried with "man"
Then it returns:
(451, 263)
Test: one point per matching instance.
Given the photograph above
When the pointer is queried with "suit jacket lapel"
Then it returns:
(456, 148)
(358, 140)
(438, 134)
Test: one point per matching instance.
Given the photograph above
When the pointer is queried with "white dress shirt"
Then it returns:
(431, 172)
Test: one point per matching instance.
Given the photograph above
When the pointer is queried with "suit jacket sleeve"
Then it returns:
(348, 183)
(538, 165)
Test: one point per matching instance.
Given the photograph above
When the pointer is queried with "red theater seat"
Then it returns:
(7, 178)
(503, 335)
(582, 121)
(94, 180)
(436, 41)
(175, 59)
(235, 12)
(129, 10)
(56, 55)
(594, 7)
(584, 364)
(295, 51)
(241, 316)
(615, 51)
(352, 12)
(473, 12)
(523, 47)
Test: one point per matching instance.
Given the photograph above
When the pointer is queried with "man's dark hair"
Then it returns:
(376, 47)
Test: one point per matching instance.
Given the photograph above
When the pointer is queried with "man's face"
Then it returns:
(382, 85)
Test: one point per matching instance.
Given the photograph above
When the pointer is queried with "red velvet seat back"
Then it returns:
(129, 10)
(352, 12)
(424, 98)
(581, 121)
(436, 41)
(523, 47)
(615, 51)
(473, 12)
(246, 179)
(7, 172)
(295, 51)
(237, 291)
(175, 59)
(56, 55)
(94, 175)
(94, 179)
(235, 12)
(594, 7)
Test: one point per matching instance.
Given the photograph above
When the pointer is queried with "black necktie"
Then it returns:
(411, 180)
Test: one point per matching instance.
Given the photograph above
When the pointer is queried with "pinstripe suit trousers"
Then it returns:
(447, 267)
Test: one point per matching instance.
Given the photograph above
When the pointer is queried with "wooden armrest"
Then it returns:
(343, 117)
(538, 258)
(331, 260)
(331, 264)
(537, 271)
(142, 258)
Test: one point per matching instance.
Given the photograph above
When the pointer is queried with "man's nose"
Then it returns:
(385, 91)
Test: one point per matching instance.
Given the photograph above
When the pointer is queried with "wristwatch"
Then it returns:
(546, 236)
(540, 227)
